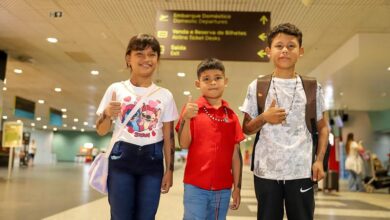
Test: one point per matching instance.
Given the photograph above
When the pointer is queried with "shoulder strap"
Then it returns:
(263, 84)
(122, 128)
(310, 88)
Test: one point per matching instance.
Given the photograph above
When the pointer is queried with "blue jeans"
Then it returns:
(201, 204)
(134, 180)
(355, 182)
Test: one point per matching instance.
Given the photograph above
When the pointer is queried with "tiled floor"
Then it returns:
(61, 192)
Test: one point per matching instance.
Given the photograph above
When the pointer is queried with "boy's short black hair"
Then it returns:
(142, 41)
(210, 64)
(285, 28)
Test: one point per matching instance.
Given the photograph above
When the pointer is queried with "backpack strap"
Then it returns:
(263, 84)
(310, 88)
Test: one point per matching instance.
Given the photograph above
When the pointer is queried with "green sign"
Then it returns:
(196, 35)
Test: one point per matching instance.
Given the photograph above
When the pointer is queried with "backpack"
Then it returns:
(310, 88)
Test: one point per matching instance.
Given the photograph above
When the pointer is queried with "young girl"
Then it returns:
(136, 173)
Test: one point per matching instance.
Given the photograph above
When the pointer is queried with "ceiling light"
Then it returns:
(64, 116)
(74, 127)
(388, 68)
(52, 40)
(44, 127)
(18, 71)
(341, 93)
(82, 130)
(41, 101)
(38, 118)
(63, 109)
(4, 88)
(85, 123)
(186, 93)
(75, 119)
(32, 124)
(64, 125)
(54, 129)
(5, 117)
(95, 72)
(18, 121)
(57, 89)
(181, 74)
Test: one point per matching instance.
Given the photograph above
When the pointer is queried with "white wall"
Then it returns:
(44, 143)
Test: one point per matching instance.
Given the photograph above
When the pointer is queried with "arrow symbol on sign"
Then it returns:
(261, 53)
(263, 19)
(262, 36)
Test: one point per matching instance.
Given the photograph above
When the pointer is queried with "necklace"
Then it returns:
(225, 119)
(293, 98)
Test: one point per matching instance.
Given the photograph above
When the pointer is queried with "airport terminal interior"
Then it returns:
(57, 58)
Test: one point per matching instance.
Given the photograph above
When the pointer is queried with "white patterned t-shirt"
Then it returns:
(284, 151)
(145, 127)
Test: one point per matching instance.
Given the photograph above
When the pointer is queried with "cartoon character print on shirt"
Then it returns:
(144, 121)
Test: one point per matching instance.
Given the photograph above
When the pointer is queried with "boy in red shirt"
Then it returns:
(212, 133)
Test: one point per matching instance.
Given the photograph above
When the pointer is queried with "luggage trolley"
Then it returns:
(379, 177)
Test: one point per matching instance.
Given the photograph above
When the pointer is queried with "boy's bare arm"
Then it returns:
(237, 177)
(184, 133)
(237, 166)
(190, 111)
(251, 126)
(273, 115)
(323, 134)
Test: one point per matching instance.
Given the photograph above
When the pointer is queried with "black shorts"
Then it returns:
(297, 195)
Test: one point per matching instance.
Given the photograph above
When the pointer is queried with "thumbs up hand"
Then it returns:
(274, 114)
(114, 107)
(191, 109)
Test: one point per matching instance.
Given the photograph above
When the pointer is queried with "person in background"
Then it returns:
(32, 149)
(354, 164)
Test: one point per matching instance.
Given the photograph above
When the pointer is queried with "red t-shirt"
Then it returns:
(209, 160)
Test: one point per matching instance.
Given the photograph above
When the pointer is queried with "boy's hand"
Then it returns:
(236, 195)
(275, 115)
(167, 181)
(114, 107)
(318, 171)
(191, 109)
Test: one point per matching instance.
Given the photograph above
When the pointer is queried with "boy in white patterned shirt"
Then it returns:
(283, 167)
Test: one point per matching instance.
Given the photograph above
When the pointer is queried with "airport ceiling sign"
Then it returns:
(196, 35)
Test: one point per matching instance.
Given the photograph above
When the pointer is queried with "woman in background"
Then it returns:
(354, 164)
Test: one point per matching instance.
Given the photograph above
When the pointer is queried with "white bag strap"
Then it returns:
(122, 128)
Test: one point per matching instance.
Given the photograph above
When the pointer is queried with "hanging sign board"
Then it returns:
(196, 35)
